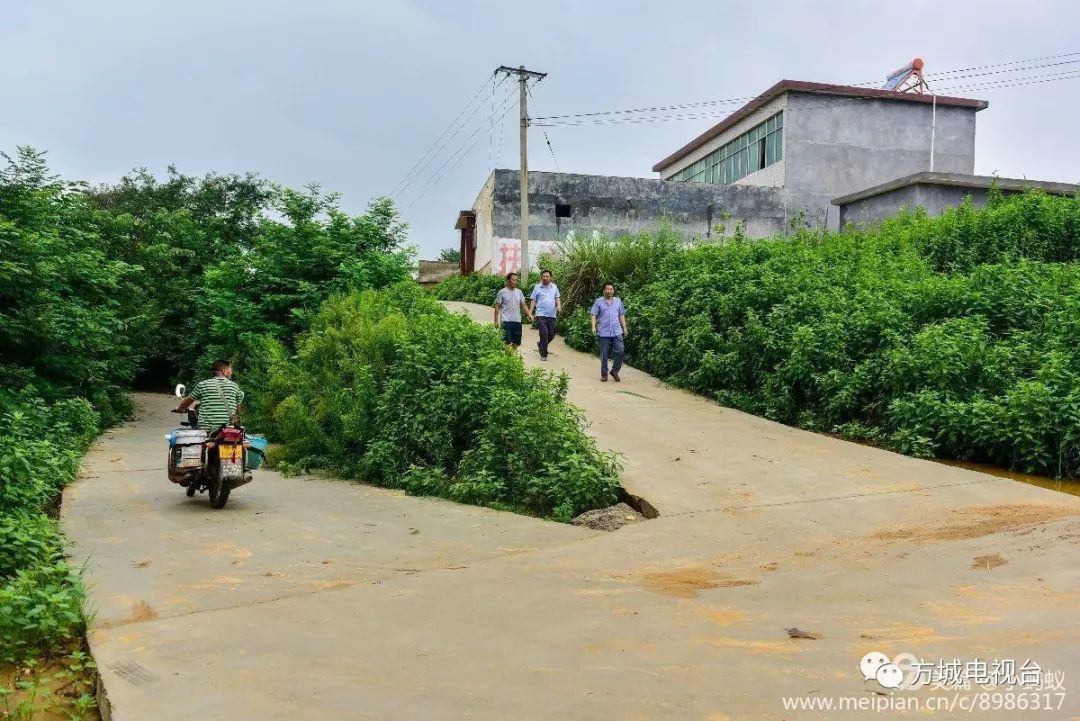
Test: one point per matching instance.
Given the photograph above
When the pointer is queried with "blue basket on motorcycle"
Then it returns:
(254, 460)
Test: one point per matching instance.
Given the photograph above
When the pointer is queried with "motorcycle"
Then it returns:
(217, 462)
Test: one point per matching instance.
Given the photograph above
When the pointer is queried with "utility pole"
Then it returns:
(523, 78)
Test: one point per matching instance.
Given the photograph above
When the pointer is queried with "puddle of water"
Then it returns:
(1072, 487)
(1054, 484)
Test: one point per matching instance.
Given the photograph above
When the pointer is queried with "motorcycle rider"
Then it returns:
(219, 398)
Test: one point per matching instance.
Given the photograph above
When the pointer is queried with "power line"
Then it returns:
(1001, 65)
(704, 115)
(429, 157)
(442, 145)
(544, 130)
(1028, 80)
(458, 155)
(1014, 70)
(729, 101)
(498, 147)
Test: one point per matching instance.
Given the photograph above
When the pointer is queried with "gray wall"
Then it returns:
(621, 205)
(932, 198)
(430, 272)
(840, 146)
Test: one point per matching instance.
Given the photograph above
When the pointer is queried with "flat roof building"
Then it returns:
(830, 140)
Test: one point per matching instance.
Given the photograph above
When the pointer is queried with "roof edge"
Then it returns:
(802, 86)
(959, 180)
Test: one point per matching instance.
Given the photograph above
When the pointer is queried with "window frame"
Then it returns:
(735, 159)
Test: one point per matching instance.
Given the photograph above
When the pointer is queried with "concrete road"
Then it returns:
(313, 599)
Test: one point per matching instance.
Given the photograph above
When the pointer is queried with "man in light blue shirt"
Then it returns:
(609, 325)
(546, 306)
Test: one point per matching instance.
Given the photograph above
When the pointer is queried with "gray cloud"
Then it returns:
(350, 93)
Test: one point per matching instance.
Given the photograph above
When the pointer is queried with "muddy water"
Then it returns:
(1065, 486)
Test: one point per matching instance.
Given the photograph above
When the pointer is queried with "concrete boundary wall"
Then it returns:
(564, 202)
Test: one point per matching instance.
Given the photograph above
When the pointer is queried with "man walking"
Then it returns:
(546, 305)
(609, 325)
(509, 302)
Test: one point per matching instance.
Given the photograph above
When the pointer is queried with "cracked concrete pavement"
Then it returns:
(308, 598)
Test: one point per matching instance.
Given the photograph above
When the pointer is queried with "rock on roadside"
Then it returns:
(611, 518)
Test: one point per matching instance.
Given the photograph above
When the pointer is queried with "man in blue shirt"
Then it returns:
(609, 325)
(546, 306)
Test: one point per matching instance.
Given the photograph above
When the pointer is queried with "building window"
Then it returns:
(562, 210)
(757, 148)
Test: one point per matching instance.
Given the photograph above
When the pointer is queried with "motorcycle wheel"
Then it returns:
(191, 488)
(219, 491)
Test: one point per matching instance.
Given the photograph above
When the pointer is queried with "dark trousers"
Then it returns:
(547, 333)
(607, 345)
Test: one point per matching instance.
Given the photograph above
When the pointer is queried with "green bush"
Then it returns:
(26, 539)
(40, 448)
(431, 402)
(40, 611)
(476, 288)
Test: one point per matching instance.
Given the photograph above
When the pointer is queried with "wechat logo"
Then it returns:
(876, 666)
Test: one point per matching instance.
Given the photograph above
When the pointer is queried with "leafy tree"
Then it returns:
(449, 255)
(68, 310)
(294, 264)
(174, 230)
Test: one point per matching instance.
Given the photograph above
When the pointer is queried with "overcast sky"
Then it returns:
(350, 93)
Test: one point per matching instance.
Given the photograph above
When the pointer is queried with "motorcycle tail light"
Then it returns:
(231, 435)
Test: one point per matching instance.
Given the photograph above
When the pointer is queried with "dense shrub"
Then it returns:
(431, 402)
(1031, 225)
(475, 288)
(40, 447)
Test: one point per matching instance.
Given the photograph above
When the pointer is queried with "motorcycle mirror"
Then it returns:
(180, 390)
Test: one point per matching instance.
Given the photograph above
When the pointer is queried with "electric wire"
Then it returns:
(440, 137)
(462, 151)
(444, 138)
(987, 84)
(491, 134)
(452, 161)
(728, 101)
(544, 130)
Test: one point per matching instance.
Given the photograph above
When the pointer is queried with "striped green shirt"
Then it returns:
(218, 398)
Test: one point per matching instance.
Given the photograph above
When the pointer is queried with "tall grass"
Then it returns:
(583, 262)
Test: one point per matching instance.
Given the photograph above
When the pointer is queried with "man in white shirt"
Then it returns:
(509, 302)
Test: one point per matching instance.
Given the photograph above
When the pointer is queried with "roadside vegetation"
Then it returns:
(391, 388)
(476, 288)
(951, 337)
